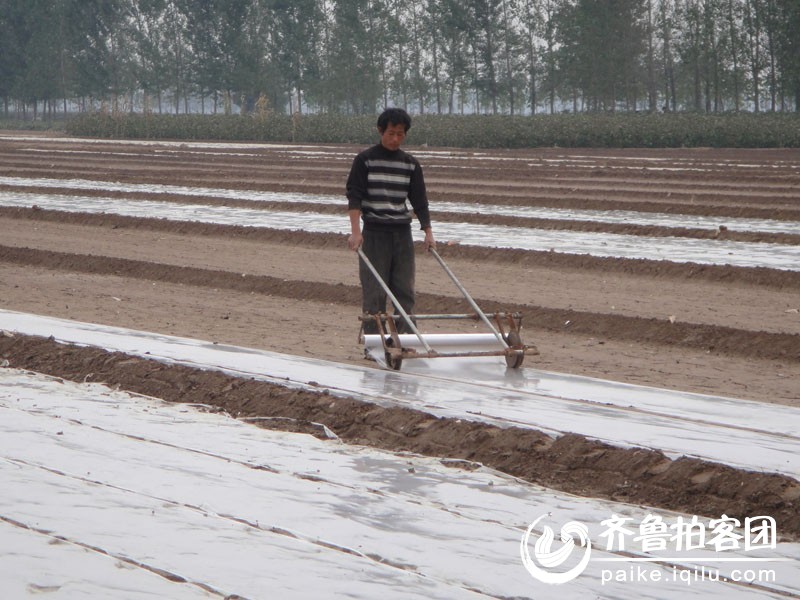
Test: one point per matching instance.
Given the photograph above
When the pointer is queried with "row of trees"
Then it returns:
(442, 56)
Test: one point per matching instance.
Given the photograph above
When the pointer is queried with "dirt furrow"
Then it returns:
(780, 210)
(713, 338)
(570, 463)
(639, 321)
(443, 177)
(722, 233)
(760, 276)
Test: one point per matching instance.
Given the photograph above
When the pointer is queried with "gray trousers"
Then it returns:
(392, 255)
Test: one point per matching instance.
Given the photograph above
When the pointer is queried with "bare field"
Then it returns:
(707, 328)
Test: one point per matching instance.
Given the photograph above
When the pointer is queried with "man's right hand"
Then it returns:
(354, 241)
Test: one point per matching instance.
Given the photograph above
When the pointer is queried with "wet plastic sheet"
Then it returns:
(600, 216)
(189, 504)
(724, 430)
(674, 249)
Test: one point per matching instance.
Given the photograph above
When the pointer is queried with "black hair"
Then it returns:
(395, 116)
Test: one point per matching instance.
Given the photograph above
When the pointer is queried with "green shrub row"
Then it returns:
(30, 125)
(743, 130)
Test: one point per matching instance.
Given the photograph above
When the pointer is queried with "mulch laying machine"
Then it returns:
(503, 340)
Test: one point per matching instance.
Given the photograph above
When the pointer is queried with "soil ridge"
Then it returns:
(571, 463)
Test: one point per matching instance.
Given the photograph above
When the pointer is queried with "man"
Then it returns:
(381, 180)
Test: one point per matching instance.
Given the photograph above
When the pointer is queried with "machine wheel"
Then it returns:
(514, 361)
(393, 363)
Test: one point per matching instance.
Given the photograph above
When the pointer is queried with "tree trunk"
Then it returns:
(652, 89)
(437, 86)
(509, 68)
(734, 56)
(773, 83)
(532, 73)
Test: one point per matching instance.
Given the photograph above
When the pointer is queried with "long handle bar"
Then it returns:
(472, 302)
(392, 297)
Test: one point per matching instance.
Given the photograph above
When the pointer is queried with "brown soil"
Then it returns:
(719, 330)
(571, 463)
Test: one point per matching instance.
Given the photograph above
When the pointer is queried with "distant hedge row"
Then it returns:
(744, 130)
(30, 125)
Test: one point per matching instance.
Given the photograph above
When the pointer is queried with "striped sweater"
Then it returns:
(379, 184)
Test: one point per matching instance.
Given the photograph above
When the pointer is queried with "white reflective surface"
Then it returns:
(736, 432)
(157, 188)
(600, 216)
(743, 254)
(93, 478)
(442, 342)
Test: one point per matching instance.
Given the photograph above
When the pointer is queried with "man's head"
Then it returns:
(393, 124)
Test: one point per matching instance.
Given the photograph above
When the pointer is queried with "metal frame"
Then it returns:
(506, 327)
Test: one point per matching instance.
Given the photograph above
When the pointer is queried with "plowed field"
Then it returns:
(708, 328)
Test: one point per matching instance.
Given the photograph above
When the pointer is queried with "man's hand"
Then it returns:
(354, 241)
(429, 241)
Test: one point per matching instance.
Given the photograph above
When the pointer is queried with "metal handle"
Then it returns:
(472, 302)
(393, 299)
